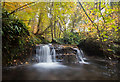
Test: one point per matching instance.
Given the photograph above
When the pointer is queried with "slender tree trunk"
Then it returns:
(59, 34)
(55, 29)
(33, 25)
(60, 30)
(73, 25)
(52, 32)
(3, 4)
(51, 20)
(38, 26)
(84, 29)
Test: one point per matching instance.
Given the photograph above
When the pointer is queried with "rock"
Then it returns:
(70, 59)
(65, 50)
(66, 54)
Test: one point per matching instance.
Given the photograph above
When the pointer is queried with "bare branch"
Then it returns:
(87, 14)
(96, 26)
(20, 8)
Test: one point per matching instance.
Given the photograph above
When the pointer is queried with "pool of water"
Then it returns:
(90, 70)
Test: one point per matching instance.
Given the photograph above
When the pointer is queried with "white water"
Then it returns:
(53, 53)
(82, 53)
(52, 65)
(46, 58)
(44, 54)
(79, 55)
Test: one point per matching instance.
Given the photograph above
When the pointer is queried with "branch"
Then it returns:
(87, 14)
(15, 19)
(60, 26)
(44, 30)
(90, 19)
(102, 8)
(39, 22)
(19, 8)
(101, 13)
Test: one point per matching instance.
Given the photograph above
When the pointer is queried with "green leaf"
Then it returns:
(105, 39)
(116, 29)
(104, 32)
(106, 36)
(109, 49)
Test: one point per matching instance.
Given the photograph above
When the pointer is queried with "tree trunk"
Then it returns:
(38, 26)
(75, 15)
(52, 32)
(73, 26)
(60, 27)
(51, 20)
(3, 4)
(55, 29)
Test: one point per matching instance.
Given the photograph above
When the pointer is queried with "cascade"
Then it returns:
(47, 53)
(79, 55)
(82, 53)
(53, 53)
(43, 54)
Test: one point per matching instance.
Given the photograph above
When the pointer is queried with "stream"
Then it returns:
(45, 69)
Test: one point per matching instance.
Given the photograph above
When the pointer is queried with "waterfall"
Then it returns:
(82, 53)
(47, 53)
(79, 55)
(43, 54)
(53, 53)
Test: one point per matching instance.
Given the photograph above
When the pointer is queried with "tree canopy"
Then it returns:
(65, 22)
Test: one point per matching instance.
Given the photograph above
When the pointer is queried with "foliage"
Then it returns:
(105, 21)
(17, 41)
(55, 18)
(65, 22)
(12, 30)
(71, 38)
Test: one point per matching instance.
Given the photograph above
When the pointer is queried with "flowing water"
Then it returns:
(53, 53)
(49, 69)
(79, 55)
(43, 54)
(82, 53)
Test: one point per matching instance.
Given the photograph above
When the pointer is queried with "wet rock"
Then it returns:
(65, 50)
(66, 54)
(70, 59)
